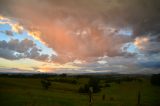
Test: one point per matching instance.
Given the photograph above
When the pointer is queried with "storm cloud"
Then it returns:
(88, 30)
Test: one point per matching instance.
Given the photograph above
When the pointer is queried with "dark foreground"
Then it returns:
(65, 91)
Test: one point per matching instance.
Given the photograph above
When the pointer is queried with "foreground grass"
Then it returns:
(28, 92)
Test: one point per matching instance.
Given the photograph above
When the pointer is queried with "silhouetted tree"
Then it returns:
(45, 83)
(94, 83)
(155, 79)
(63, 75)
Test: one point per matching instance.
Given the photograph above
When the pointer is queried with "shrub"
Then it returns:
(45, 83)
(94, 83)
(155, 79)
(84, 89)
(107, 85)
(65, 80)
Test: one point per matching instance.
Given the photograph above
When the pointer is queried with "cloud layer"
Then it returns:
(15, 49)
(127, 32)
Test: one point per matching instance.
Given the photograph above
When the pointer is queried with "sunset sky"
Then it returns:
(80, 36)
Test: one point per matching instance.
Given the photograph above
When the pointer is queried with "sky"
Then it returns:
(80, 36)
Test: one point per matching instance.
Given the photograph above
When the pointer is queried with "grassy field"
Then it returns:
(29, 92)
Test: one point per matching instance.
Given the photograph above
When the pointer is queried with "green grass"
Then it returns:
(28, 92)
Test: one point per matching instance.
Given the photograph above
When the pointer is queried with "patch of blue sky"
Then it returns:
(44, 48)
(125, 32)
(4, 37)
(4, 27)
(22, 36)
(130, 47)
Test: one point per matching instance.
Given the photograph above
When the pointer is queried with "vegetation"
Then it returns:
(45, 83)
(155, 79)
(28, 91)
(94, 83)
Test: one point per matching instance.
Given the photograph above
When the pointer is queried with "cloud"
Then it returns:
(89, 29)
(147, 44)
(140, 42)
(8, 54)
(15, 70)
(15, 27)
(16, 45)
(151, 64)
(15, 49)
(70, 32)
(35, 54)
(8, 33)
(141, 14)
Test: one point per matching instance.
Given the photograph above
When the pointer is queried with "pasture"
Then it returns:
(29, 92)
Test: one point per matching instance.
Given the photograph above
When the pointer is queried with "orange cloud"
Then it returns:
(36, 35)
(15, 26)
(3, 18)
(60, 33)
(140, 42)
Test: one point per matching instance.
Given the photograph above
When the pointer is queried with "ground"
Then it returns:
(29, 92)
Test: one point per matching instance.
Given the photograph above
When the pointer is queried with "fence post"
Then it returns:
(103, 97)
(90, 96)
(139, 98)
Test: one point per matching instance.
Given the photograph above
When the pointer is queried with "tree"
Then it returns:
(94, 83)
(155, 79)
(45, 83)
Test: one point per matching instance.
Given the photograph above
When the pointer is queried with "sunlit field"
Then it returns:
(29, 92)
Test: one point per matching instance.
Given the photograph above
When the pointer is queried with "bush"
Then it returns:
(94, 83)
(107, 85)
(45, 83)
(118, 81)
(155, 79)
(63, 75)
(65, 80)
(84, 89)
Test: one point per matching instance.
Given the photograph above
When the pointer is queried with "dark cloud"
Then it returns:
(35, 54)
(143, 15)
(8, 54)
(148, 45)
(16, 45)
(9, 33)
(151, 64)
(15, 49)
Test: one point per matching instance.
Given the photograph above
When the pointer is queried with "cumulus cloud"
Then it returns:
(8, 33)
(35, 54)
(147, 44)
(8, 54)
(15, 49)
(16, 45)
